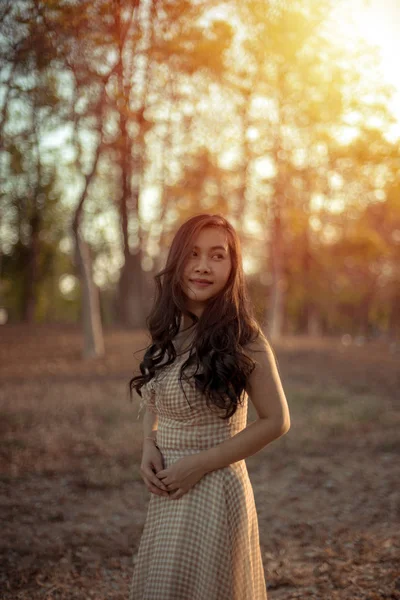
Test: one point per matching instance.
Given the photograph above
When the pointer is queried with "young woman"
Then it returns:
(208, 355)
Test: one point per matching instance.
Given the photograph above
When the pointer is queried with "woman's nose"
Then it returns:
(202, 264)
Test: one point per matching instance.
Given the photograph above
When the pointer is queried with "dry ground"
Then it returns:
(73, 504)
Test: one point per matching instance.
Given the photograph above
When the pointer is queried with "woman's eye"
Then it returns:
(218, 255)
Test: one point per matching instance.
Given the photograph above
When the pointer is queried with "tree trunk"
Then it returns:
(394, 318)
(90, 302)
(131, 301)
(314, 325)
(31, 270)
(309, 319)
(131, 297)
(240, 208)
(276, 306)
(363, 315)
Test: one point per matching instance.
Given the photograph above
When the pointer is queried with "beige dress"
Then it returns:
(205, 545)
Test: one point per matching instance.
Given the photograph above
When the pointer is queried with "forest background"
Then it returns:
(120, 120)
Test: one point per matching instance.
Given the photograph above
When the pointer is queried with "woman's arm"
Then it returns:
(152, 461)
(150, 424)
(266, 393)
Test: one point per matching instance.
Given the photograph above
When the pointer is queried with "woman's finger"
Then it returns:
(158, 465)
(159, 484)
(172, 487)
(155, 490)
(151, 476)
(178, 494)
(153, 479)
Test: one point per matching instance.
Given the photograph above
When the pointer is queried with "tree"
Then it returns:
(31, 107)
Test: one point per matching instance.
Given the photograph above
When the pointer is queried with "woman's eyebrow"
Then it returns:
(212, 248)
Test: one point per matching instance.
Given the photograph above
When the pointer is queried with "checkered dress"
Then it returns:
(205, 545)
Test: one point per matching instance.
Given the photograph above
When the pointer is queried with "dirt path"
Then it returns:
(73, 505)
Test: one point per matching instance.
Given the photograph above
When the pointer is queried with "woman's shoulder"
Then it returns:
(258, 344)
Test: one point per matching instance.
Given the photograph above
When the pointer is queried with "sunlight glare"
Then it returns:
(249, 265)
(228, 159)
(265, 167)
(377, 22)
(149, 202)
(252, 226)
(67, 284)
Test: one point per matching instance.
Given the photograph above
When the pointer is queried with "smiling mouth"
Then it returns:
(202, 283)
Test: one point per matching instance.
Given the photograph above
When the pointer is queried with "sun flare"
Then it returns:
(378, 23)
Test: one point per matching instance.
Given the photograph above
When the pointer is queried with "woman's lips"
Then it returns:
(200, 283)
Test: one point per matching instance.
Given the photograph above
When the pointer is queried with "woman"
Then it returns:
(208, 355)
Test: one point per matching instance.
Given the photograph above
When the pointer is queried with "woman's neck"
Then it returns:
(184, 337)
(186, 322)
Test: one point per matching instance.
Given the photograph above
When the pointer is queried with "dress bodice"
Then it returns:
(180, 406)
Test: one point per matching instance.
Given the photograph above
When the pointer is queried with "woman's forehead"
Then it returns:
(210, 238)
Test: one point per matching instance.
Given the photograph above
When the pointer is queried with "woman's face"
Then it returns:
(209, 259)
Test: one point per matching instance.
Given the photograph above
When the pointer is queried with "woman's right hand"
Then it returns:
(152, 462)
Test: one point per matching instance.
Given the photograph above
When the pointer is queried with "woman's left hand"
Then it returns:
(181, 476)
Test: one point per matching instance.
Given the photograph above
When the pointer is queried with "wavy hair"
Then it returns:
(226, 326)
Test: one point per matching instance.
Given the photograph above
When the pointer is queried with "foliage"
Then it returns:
(259, 110)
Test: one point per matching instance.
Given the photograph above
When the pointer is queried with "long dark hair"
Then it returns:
(223, 330)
